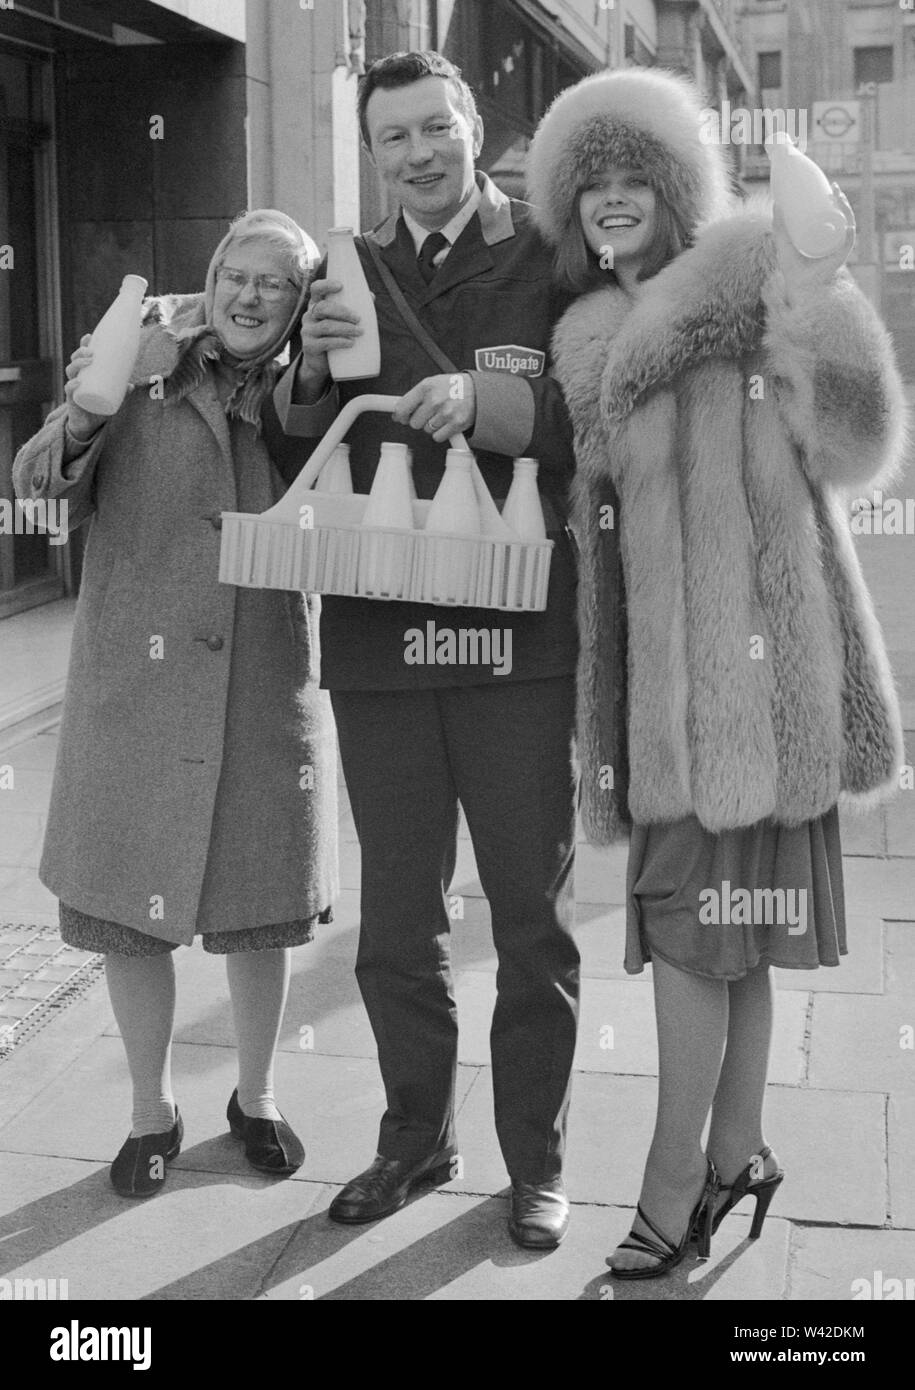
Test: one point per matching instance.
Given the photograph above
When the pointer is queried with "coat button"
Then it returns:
(215, 643)
(38, 480)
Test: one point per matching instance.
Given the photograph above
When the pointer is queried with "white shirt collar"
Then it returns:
(452, 230)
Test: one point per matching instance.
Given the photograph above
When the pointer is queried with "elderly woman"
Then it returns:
(194, 791)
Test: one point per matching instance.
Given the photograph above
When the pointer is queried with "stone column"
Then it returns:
(303, 144)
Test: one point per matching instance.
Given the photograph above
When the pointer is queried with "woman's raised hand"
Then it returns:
(82, 424)
(801, 272)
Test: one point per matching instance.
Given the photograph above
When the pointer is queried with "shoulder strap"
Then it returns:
(440, 359)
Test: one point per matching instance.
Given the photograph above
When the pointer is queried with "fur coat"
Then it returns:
(731, 429)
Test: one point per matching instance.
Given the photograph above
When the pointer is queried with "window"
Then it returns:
(873, 65)
(770, 70)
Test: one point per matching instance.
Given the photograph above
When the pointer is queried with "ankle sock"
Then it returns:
(152, 1116)
(258, 984)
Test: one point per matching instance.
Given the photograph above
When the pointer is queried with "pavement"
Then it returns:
(840, 1107)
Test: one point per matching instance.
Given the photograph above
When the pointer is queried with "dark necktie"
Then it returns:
(430, 248)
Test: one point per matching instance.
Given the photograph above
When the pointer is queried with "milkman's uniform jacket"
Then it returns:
(490, 306)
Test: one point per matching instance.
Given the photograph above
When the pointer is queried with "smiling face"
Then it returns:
(618, 209)
(246, 322)
(424, 147)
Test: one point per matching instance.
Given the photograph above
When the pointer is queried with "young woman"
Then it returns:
(726, 392)
(181, 802)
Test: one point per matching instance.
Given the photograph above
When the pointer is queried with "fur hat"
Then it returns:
(644, 117)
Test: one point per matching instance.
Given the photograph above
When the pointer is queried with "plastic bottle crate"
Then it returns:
(314, 541)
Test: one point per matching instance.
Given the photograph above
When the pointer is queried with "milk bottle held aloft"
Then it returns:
(335, 476)
(102, 385)
(522, 510)
(802, 193)
(363, 359)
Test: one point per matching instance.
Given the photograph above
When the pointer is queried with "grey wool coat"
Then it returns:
(195, 787)
(733, 430)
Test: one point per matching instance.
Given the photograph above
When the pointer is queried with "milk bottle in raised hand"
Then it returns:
(363, 359)
(802, 193)
(102, 385)
(522, 510)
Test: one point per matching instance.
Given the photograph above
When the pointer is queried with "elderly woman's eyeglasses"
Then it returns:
(267, 286)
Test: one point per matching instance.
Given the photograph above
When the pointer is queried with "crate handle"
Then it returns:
(288, 508)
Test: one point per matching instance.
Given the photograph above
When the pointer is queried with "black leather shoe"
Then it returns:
(139, 1169)
(270, 1145)
(385, 1186)
(539, 1214)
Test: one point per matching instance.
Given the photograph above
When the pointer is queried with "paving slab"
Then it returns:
(619, 1014)
(204, 1237)
(900, 958)
(851, 1266)
(37, 753)
(600, 874)
(610, 1126)
(29, 794)
(880, 888)
(445, 1247)
(900, 824)
(333, 1104)
(611, 1123)
(23, 898)
(21, 835)
(863, 834)
(901, 1143)
(832, 1146)
(860, 972)
(861, 1043)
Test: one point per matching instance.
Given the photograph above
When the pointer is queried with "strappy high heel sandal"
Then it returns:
(667, 1254)
(745, 1185)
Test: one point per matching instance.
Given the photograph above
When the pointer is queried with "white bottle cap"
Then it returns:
(527, 464)
(458, 458)
(779, 137)
(133, 281)
(340, 231)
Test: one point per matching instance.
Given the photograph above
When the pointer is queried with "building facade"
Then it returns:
(846, 69)
(133, 131)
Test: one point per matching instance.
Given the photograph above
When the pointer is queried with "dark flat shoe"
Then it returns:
(270, 1145)
(139, 1169)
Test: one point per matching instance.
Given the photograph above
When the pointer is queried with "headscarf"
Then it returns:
(255, 375)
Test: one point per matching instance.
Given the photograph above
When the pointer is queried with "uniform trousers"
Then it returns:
(504, 753)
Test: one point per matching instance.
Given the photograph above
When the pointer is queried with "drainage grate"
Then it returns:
(39, 976)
